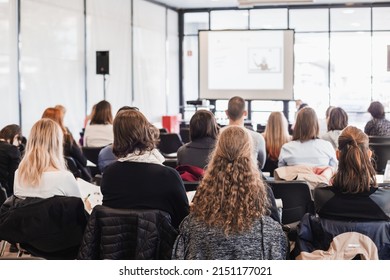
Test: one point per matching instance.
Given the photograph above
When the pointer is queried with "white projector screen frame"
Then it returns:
(238, 51)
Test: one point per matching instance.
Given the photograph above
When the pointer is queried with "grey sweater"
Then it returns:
(196, 241)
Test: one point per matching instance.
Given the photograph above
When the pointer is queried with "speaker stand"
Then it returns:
(104, 86)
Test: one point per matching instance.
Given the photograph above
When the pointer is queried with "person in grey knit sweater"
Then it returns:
(228, 218)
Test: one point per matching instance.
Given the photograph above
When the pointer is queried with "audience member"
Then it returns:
(42, 172)
(9, 155)
(71, 149)
(324, 122)
(305, 147)
(138, 179)
(106, 155)
(336, 122)
(236, 113)
(379, 125)
(275, 135)
(354, 194)
(229, 218)
(203, 134)
(98, 133)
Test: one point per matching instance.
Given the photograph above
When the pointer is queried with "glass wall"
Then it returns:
(8, 64)
(48, 57)
(340, 55)
(52, 60)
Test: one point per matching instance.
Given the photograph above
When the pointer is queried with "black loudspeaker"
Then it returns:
(102, 63)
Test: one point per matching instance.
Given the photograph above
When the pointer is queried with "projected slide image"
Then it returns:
(264, 60)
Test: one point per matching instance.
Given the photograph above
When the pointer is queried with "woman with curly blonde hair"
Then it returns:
(229, 217)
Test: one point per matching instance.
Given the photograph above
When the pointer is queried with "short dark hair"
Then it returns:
(338, 119)
(236, 108)
(306, 125)
(203, 124)
(133, 133)
(8, 132)
(377, 110)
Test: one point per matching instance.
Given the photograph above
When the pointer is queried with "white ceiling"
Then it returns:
(193, 4)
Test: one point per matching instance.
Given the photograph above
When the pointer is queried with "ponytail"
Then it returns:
(355, 172)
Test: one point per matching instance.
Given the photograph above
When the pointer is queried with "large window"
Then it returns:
(340, 56)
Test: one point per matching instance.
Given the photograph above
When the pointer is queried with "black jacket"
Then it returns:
(51, 227)
(120, 234)
(138, 185)
(9, 162)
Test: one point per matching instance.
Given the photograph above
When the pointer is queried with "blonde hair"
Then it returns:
(232, 194)
(276, 134)
(44, 150)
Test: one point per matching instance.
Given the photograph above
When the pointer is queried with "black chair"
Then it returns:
(163, 130)
(92, 154)
(72, 167)
(191, 186)
(169, 144)
(296, 199)
(356, 239)
(185, 134)
(381, 154)
(379, 139)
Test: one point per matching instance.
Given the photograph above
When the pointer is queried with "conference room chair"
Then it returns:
(327, 239)
(169, 144)
(296, 202)
(185, 134)
(92, 154)
(381, 154)
(379, 139)
(127, 234)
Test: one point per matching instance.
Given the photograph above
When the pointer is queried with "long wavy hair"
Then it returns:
(44, 150)
(355, 172)
(232, 194)
(276, 134)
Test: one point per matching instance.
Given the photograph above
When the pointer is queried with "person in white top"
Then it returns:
(236, 113)
(99, 133)
(305, 147)
(42, 172)
(336, 122)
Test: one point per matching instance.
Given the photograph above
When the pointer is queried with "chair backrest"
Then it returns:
(137, 234)
(185, 134)
(190, 186)
(381, 155)
(92, 153)
(296, 199)
(51, 228)
(320, 238)
(163, 130)
(72, 167)
(169, 143)
(379, 139)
